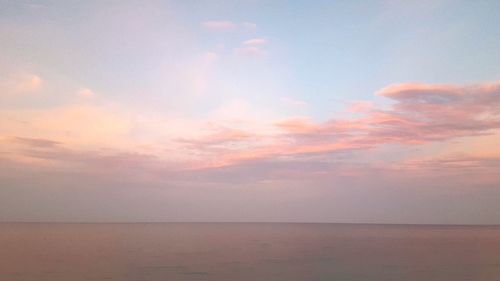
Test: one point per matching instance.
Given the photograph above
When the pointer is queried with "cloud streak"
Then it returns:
(219, 25)
(250, 52)
(255, 42)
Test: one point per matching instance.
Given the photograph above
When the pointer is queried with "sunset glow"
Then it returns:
(375, 111)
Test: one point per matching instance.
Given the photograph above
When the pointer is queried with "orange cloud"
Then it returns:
(20, 83)
(86, 93)
(361, 107)
(298, 125)
(78, 124)
(29, 83)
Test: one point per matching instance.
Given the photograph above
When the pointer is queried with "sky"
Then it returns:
(250, 111)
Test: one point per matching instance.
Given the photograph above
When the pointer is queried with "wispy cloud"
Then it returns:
(76, 124)
(361, 107)
(293, 102)
(255, 42)
(221, 136)
(219, 25)
(249, 26)
(300, 125)
(250, 52)
(36, 142)
(226, 25)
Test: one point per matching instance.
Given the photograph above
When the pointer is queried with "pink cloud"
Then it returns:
(220, 136)
(420, 114)
(409, 90)
(20, 83)
(444, 111)
(361, 107)
(86, 93)
(298, 125)
(78, 124)
(454, 162)
(250, 52)
(255, 42)
(36, 142)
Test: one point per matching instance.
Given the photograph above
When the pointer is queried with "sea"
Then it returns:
(247, 252)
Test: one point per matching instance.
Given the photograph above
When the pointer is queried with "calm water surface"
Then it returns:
(250, 252)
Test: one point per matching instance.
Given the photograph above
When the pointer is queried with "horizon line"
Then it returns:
(252, 222)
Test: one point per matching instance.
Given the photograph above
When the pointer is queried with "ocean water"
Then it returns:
(247, 252)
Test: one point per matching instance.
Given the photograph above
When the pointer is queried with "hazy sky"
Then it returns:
(312, 111)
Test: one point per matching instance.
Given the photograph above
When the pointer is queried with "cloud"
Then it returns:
(76, 124)
(422, 113)
(434, 112)
(249, 26)
(36, 142)
(419, 114)
(252, 48)
(255, 42)
(225, 25)
(455, 162)
(59, 157)
(210, 58)
(220, 137)
(250, 52)
(460, 168)
(294, 102)
(219, 25)
(85, 93)
(361, 107)
(299, 125)
(29, 83)
(20, 83)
